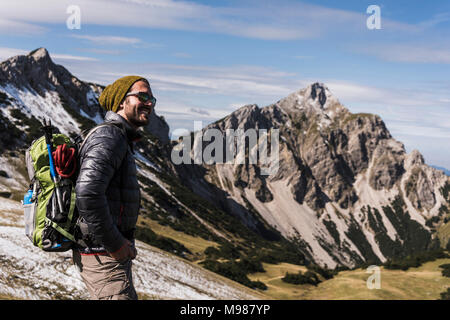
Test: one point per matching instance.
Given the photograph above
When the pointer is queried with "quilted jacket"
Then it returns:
(107, 189)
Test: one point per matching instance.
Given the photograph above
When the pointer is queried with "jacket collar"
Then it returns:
(132, 134)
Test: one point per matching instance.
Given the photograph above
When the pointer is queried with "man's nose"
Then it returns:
(149, 102)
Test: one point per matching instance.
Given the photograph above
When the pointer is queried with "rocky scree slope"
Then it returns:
(346, 192)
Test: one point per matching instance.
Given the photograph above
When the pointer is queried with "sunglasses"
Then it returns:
(143, 97)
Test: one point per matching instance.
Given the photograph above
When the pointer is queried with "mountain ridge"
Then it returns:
(165, 200)
(339, 166)
(446, 171)
(345, 193)
(37, 73)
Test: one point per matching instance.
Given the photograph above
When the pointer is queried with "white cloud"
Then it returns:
(71, 57)
(283, 20)
(216, 84)
(109, 40)
(246, 82)
(420, 131)
(435, 20)
(173, 109)
(199, 111)
(15, 27)
(182, 55)
(409, 53)
(420, 112)
(6, 53)
(114, 52)
(388, 97)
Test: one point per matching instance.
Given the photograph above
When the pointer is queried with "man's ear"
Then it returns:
(122, 104)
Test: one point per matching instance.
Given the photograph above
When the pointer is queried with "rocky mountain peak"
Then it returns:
(36, 77)
(36, 70)
(414, 158)
(318, 92)
(343, 182)
(36, 59)
(246, 110)
(246, 117)
(247, 113)
(40, 54)
(315, 99)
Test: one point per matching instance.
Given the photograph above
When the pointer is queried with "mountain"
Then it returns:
(172, 217)
(345, 192)
(30, 273)
(446, 171)
(38, 87)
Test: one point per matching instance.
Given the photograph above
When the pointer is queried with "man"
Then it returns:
(108, 192)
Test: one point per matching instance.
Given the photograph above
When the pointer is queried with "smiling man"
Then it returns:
(137, 111)
(107, 190)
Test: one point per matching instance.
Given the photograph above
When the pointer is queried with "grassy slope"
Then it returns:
(423, 283)
(276, 288)
(195, 244)
(444, 234)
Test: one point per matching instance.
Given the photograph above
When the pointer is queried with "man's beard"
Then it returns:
(140, 123)
(135, 118)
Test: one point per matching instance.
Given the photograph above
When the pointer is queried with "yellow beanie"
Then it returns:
(113, 94)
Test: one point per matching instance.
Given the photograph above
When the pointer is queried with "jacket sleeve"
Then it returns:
(100, 158)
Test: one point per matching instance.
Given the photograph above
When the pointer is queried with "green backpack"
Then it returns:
(45, 225)
(49, 204)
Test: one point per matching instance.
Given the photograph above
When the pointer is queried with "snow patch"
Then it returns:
(91, 98)
(27, 272)
(147, 162)
(97, 119)
(49, 106)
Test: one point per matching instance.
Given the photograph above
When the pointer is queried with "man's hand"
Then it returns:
(126, 251)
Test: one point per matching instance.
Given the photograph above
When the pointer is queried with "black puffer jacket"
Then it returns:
(107, 189)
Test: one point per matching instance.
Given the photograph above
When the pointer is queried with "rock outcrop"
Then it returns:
(24, 76)
(340, 175)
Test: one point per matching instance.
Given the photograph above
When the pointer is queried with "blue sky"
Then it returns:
(206, 58)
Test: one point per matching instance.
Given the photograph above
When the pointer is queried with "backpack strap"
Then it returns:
(104, 124)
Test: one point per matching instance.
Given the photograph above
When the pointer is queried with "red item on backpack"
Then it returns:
(65, 161)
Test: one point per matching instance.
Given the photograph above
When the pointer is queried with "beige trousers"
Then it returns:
(106, 278)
